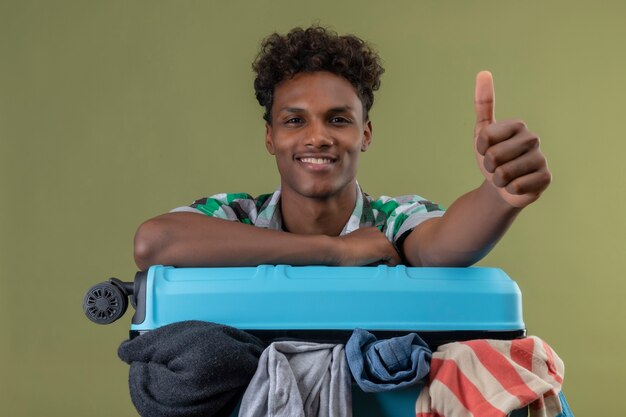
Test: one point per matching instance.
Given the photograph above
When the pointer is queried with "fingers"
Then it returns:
(533, 183)
(484, 101)
(509, 151)
(366, 246)
(387, 253)
(394, 258)
(499, 132)
(526, 164)
(498, 151)
(512, 160)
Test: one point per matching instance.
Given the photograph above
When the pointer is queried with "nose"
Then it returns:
(317, 136)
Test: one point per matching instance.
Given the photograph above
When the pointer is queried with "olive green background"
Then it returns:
(112, 112)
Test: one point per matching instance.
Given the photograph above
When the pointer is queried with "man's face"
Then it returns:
(316, 134)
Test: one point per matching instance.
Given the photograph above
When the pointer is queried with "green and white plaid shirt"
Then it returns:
(394, 216)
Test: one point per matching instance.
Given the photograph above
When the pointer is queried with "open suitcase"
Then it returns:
(323, 304)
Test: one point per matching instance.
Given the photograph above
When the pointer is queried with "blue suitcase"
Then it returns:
(323, 304)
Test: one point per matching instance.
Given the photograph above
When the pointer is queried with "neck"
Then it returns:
(310, 216)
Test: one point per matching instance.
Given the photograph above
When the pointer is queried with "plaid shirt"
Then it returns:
(394, 216)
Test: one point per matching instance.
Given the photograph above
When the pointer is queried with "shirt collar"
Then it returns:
(270, 216)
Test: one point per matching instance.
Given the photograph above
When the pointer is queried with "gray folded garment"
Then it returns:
(190, 369)
(299, 379)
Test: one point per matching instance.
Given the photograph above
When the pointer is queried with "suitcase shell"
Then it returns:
(326, 303)
(318, 299)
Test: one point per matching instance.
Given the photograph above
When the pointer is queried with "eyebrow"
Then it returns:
(292, 110)
(340, 109)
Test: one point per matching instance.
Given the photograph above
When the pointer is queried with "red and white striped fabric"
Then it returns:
(491, 378)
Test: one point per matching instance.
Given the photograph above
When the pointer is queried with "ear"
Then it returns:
(367, 136)
(269, 143)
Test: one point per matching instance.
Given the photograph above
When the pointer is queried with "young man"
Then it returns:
(317, 90)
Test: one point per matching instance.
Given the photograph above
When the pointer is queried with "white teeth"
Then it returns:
(316, 160)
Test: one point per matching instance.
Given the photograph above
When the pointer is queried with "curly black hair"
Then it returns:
(316, 49)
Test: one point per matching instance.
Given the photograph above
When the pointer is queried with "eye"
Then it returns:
(294, 121)
(340, 120)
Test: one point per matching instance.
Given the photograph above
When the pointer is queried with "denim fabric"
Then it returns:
(567, 412)
(387, 365)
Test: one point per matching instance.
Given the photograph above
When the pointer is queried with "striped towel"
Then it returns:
(491, 378)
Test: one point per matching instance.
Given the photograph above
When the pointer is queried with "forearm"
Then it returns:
(190, 239)
(468, 230)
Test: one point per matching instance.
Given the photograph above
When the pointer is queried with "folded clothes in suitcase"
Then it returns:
(325, 304)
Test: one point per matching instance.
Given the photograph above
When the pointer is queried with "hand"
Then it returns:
(365, 246)
(507, 152)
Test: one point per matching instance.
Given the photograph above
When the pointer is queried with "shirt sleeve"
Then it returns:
(400, 215)
(238, 207)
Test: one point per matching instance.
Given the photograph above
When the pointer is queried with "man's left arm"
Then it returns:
(516, 173)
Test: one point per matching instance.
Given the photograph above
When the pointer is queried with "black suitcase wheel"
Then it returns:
(105, 302)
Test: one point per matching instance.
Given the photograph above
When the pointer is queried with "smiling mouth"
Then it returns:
(317, 161)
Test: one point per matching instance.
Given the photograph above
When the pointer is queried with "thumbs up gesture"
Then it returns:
(507, 153)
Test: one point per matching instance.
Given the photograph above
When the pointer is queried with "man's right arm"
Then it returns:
(190, 239)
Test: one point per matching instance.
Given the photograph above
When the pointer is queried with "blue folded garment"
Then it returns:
(387, 365)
